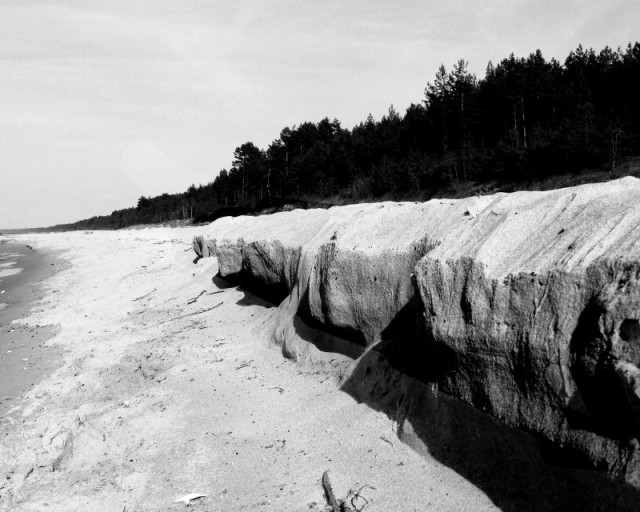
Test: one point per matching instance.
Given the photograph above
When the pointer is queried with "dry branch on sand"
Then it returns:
(354, 501)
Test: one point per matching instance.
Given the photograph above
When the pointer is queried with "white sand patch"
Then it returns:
(8, 264)
(10, 272)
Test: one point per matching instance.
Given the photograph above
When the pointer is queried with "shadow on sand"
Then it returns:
(249, 299)
(222, 283)
(512, 467)
(518, 471)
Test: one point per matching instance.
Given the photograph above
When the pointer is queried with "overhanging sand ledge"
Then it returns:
(166, 390)
(521, 308)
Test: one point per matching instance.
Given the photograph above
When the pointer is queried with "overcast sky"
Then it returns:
(104, 101)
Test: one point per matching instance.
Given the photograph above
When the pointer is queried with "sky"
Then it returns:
(102, 102)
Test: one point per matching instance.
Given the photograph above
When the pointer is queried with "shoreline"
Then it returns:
(26, 359)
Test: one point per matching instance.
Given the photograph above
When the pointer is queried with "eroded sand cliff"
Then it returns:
(471, 321)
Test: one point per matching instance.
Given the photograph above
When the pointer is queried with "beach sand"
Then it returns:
(158, 395)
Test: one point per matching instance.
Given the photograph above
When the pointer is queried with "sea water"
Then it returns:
(24, 358)
(10, 256)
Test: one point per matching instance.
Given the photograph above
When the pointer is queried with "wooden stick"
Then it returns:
(198, 312)
(140, 298)
(331, 498)
(191, 301)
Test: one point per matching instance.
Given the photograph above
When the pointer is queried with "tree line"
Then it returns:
(527, 119)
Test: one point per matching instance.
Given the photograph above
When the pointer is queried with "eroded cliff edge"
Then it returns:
(466, 317)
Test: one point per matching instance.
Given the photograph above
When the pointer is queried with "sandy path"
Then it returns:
(158, 398)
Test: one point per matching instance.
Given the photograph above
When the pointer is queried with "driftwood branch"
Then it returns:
(189, 314)
(191, 301)
(386, 440)
(328, 491)
(198, 312)
(354, 497)
(140, 298)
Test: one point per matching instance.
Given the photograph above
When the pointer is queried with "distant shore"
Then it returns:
(24, 357)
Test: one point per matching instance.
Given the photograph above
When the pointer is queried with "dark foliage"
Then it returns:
(527, 120)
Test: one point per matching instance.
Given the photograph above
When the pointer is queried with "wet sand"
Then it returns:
(25, 358)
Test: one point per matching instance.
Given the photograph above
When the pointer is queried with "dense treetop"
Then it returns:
(528, 119)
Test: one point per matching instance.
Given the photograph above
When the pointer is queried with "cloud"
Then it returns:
(151, 170)
(113, 100)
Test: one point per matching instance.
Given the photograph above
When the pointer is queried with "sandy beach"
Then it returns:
(167, 386)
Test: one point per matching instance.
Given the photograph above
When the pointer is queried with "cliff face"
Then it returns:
(532, 315)
(524, 306)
